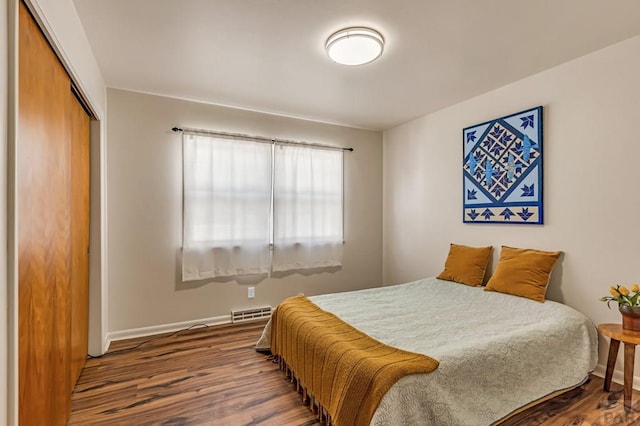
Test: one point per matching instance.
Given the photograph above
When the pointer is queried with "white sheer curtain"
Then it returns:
(307, 208)
(227, 206)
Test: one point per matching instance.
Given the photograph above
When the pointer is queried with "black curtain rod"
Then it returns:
(258, 138)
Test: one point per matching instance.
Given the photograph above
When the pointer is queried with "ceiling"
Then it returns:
(268, 55)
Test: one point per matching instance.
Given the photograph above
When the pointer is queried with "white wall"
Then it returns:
(591, 184)
(145, 212)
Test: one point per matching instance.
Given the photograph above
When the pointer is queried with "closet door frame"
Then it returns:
(52, 20)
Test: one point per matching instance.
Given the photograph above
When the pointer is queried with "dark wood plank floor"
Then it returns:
(212, 376)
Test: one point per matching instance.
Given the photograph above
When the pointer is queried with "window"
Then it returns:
(252, 207)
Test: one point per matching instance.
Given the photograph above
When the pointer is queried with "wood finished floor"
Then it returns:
(212, 376)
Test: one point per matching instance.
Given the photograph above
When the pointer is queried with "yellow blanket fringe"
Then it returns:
(342, 371)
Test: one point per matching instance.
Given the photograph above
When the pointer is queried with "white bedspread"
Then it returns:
(497, 352)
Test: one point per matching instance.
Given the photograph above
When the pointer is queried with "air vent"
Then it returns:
(251, 314)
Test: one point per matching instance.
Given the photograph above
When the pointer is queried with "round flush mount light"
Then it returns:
(355, 46)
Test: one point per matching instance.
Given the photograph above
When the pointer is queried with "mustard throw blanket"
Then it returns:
(338, 368)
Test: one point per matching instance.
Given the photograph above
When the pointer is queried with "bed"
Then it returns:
(497, 352)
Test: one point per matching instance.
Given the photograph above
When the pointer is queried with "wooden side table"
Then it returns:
(630, 340)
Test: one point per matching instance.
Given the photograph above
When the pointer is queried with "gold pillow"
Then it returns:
(523, 272)
(466, 265)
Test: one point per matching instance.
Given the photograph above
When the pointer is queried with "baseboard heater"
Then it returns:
(250, 314)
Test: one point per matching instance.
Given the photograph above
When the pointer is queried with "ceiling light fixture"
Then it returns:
(355, 46)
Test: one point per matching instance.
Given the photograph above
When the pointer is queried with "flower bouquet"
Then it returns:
(628, 304)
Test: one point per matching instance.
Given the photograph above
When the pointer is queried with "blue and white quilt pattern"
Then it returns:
(502, 170)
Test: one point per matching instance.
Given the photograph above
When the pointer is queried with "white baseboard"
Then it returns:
(618, 376)
(164, 328)
(103, 349)
(105, 344)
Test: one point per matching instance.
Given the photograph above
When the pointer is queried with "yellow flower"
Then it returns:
(623, 290)
(614, 292)
(635, 288)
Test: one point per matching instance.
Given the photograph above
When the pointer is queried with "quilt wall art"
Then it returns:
(502, 170)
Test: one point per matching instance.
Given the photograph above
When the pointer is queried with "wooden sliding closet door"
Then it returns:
(52, 192)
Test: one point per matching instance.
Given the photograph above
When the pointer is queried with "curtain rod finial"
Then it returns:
(176, 129)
